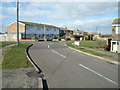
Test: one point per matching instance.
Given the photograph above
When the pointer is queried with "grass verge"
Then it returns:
(3, 44)
(88, 51)
(89, 44)
(16, 57)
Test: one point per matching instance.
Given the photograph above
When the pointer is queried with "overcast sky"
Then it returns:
(74, 15)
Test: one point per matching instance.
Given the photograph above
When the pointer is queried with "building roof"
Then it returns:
(94, 33)
(39, 24)
(116, 21)
(66, 29)
(79, 31)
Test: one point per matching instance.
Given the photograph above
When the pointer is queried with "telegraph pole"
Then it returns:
(96, 29)
(17, 4)
(44, 33)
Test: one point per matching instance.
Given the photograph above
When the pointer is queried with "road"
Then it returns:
(65, 68)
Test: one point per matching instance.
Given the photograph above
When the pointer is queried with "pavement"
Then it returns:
(2, 51)
(20, 78)
(66, 68)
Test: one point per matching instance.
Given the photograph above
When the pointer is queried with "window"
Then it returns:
(47, 29)
(39, 27)
(14, 35)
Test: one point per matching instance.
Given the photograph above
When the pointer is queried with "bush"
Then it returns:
(100, 44)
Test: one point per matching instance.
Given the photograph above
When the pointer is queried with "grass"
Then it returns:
(89, 44)
(88, 51)
(16, 57)
(3, 44)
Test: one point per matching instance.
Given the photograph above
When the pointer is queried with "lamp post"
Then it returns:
(17, 4)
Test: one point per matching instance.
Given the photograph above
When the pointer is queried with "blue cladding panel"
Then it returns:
(34, 29)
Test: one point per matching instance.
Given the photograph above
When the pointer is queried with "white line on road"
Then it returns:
(48, 46)
(98, 74)
(57, 52)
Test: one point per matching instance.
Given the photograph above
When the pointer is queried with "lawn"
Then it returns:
(16, 57)
(88, 51)
(89, 44)
(3, 44)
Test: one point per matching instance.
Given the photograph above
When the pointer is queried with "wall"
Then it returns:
(35, 29)
(3, 37)
(11, 28)
(116, 32)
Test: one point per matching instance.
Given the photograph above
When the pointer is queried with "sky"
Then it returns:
(73, 15)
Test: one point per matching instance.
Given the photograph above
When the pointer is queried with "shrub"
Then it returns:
(100, 44)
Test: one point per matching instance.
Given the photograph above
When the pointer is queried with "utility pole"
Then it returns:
(96, 29)
(17, 4)
(44, 33)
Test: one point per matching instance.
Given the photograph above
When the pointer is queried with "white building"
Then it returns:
(115, 43)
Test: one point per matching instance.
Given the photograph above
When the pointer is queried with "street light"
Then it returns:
(17, 5)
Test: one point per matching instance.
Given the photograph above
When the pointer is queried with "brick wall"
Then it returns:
(12, 29)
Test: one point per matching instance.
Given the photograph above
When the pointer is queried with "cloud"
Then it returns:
(3, 17)
(71, 12)
(67, 11)
(103, 25)
(9, 10)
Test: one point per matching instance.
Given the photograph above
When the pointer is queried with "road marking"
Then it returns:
(57, 52)
(48, 46)
(98, 74)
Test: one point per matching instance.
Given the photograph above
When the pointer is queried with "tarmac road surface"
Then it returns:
(65, 68)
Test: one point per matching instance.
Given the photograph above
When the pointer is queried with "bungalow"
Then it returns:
(115, 42)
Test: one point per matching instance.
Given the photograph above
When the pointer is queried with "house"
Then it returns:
(66, 34)
(32, 31)
(3, 37)
(94, 35)
(80, 35)
(115, 42)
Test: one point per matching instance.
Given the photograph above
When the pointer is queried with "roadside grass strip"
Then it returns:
(3, 44)
(88, 51)
(16, 57)
(89, 44)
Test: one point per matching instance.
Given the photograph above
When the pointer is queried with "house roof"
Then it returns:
(39, 24)
(79, 31)
(116, 21)
(94, 33)
(66, 29)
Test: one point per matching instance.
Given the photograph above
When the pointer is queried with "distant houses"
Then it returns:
(94, 35)
(115, 42)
